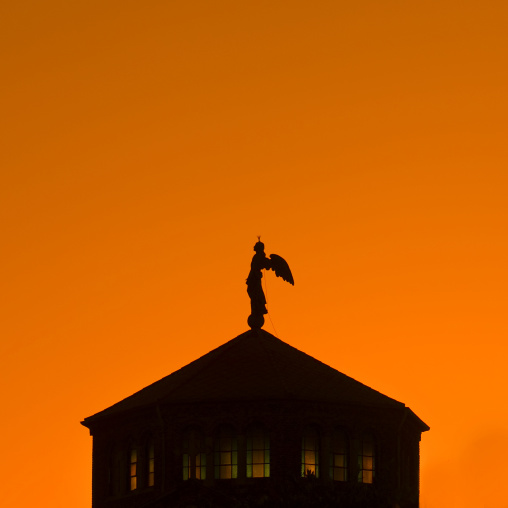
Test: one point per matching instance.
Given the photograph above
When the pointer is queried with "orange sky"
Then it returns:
(143, 147)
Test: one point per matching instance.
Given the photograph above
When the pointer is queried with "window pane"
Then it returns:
(258, 453)
(225, 456)
(367, 476)
(225, 472)
(310, 469)
(200, 466)
(310, 457)
(258, 456)
(186, 466)
(133, 469)
(194, 444)
(258, 470)
(151, 465)
(310, 446)
(366, 461)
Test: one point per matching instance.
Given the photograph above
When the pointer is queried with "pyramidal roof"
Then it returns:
(253, 366)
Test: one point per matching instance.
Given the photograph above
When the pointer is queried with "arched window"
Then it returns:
(194, 455)
(339, 458)
(310, 453)
(366, 459)
(226, 454)
(150, 463)
(133, 468)
(258, 453)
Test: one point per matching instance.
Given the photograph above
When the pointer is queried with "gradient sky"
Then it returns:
(145, 145)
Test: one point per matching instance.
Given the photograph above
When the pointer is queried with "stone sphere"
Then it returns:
(255, 322)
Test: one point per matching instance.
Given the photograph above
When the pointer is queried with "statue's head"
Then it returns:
(259, 247)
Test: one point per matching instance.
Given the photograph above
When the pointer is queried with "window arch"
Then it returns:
(258, 453)
(366, 459)
(226, 454)
(310, 452)
(339, 458)
(194, 455)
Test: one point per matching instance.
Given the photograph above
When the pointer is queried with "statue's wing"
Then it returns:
(281, 268)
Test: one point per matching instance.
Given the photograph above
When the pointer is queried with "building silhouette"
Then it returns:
(256, 422)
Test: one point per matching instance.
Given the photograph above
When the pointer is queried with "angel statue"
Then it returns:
(254, 287)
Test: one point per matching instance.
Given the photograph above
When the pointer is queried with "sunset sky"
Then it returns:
(145, 145)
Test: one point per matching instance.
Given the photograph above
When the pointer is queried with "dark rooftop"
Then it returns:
(253, 366)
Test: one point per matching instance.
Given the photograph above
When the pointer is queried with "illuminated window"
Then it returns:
(339, 457)
(194, 456)
(150, 455)
(258, 453)
(200, 466)
(133, 470)
(226, 455)
(310, 453)
(366, 459)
